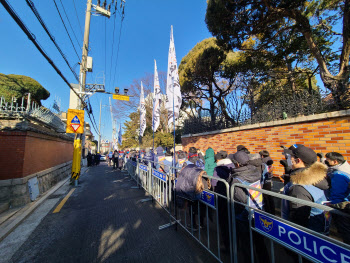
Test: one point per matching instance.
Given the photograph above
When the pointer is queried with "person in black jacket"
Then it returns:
(308, 181)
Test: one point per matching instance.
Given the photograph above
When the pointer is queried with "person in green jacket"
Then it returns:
(210, 163)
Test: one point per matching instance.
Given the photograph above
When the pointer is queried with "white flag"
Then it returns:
(142, 112)
(156, 100)
(120, 140)
(173, 92)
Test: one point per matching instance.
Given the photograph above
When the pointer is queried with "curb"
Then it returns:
(19, 218)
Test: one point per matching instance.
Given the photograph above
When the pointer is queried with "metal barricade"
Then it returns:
(211, 210)
(294, 241)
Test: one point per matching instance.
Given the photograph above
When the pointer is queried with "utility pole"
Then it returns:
(83, 69)
(113, 123)
(99, 129)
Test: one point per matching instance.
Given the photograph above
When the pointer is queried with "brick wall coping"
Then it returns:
(24, 180)
(25, 125)
(328, 115)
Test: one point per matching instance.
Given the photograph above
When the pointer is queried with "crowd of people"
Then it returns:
(93, 159)
(323, 179)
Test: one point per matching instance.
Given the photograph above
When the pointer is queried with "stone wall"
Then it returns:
(15, 192)
(322, 132)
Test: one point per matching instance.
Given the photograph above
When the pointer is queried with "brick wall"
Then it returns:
(323, 132)
(11, 152)
(25, 153)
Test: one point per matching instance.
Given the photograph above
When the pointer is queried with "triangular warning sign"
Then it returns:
(75, 120)
(75, 126)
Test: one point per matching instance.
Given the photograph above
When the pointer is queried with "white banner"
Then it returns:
(120, 140)
(142, 112)
(156, 100)
(173, 92)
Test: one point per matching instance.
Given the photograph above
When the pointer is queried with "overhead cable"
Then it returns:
(64, 10)
(116, 61)
(31, 37)
(76, 13)
(59, 13)
(36, 13)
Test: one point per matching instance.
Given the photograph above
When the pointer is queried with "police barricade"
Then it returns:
(207, 219)
(144, 172)
(287, 241)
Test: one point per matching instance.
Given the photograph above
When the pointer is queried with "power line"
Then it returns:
(105, 47)
(76, 13)
(110, 70)
(64, 10)
(116, 61)
(36, 13)
(32, 37)
(66, 29)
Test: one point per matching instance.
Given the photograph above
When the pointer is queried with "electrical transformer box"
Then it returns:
(89, 64)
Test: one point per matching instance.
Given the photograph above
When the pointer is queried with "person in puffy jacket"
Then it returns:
(339, 175)
(190, 184)
(308, 181)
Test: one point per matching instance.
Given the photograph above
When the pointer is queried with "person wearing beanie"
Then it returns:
(242, 148)
(308, 181)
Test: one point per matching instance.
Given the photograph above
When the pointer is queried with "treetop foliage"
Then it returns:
(18, 86)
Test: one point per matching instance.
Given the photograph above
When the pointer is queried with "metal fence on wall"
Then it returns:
(299, 104)
(29, 109)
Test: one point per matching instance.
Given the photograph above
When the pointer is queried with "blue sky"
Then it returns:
(144, 37)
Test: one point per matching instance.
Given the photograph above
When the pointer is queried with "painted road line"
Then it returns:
(59, 207)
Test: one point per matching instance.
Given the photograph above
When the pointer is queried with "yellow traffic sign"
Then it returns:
(120, 97)
(75, 121)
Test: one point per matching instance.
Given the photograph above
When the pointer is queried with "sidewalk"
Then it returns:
(13, 217)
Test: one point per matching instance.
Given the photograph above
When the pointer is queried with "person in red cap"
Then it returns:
(308, 181)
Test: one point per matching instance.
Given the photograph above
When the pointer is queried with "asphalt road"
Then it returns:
(103, 221)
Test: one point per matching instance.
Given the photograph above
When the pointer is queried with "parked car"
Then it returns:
(103, 158)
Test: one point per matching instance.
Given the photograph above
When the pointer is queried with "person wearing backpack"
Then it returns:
(247, 174)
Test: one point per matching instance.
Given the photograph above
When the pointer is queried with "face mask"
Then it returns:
(327, 163)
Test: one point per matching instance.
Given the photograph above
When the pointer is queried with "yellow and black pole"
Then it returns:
(76, 165)
(75, 124)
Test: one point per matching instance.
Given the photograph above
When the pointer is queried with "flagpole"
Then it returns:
(172, 83)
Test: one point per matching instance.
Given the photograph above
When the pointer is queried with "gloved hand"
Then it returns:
(287, 169)
(284, 163)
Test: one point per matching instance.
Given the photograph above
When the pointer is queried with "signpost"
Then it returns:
(121, 97)
(75, 121)
(75, 124)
